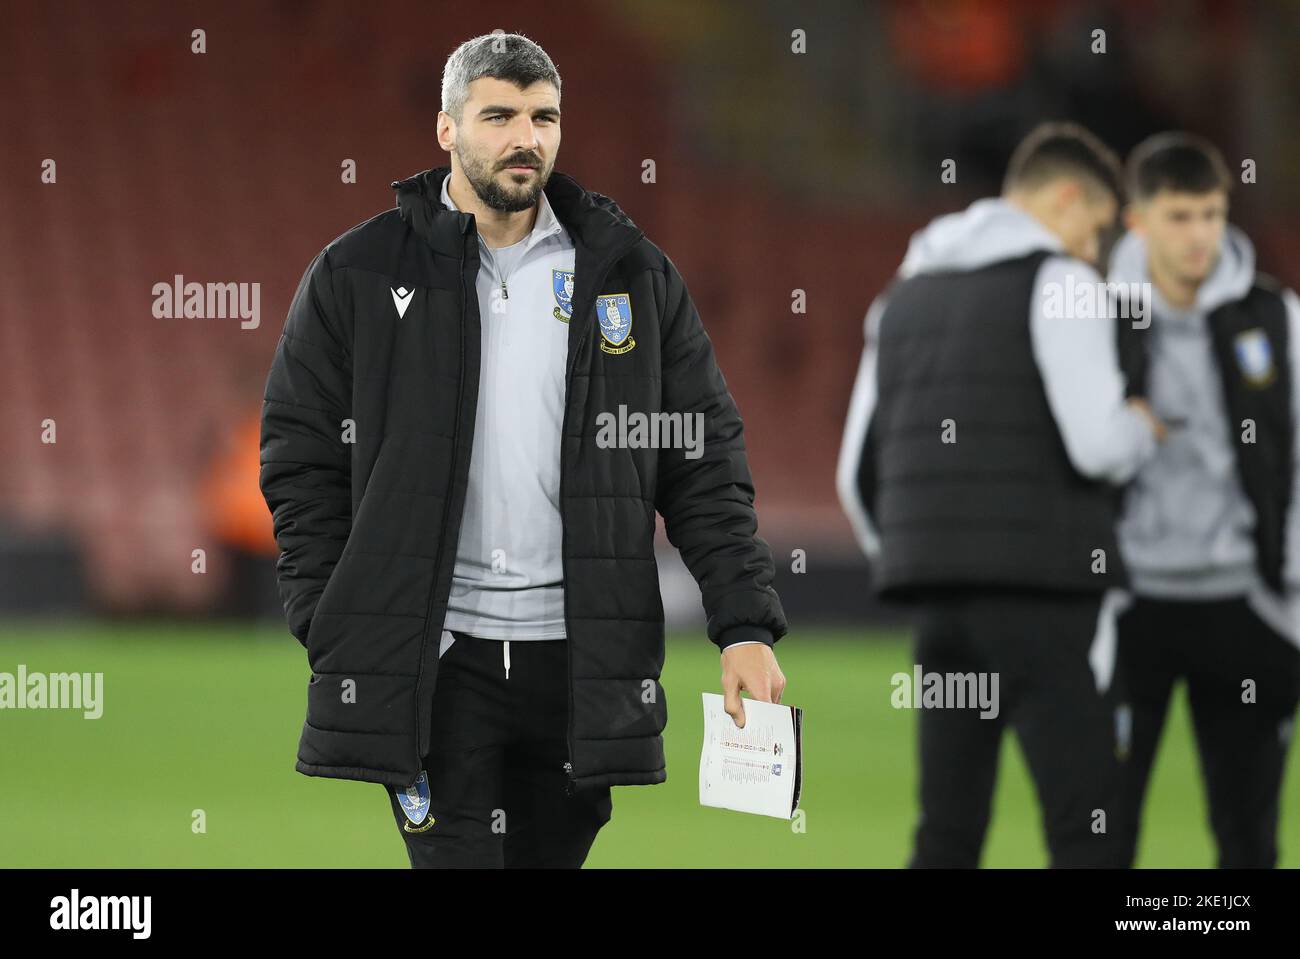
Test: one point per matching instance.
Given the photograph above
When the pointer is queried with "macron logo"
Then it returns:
(401, 299)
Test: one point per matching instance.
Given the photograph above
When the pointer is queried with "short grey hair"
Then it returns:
(501, 56)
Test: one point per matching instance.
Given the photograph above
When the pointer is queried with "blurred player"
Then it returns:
(986, 433)
(1209, 527)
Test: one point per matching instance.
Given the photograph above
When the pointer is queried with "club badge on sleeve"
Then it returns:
(414, 800)
(562, 284)
(615, 314)
(1255, 357)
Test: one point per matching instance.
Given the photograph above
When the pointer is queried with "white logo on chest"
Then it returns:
(401, 299)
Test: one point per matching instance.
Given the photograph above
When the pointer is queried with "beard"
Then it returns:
(511, 198)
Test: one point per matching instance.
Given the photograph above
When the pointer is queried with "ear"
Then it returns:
(446, 131)
(1068, 192)
(1134, 219)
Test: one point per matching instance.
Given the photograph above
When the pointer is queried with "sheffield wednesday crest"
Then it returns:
(414, 800)
(562, 284)
(615, 314)
(1255, 357)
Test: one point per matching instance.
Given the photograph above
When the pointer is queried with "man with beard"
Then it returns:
(1209, 529)
(472, 575)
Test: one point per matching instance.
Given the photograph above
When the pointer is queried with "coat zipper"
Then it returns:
(601, 272)
(446, 508)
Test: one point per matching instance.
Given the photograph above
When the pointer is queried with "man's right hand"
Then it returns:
(1158, 428)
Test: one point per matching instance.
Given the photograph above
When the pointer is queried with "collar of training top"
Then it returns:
(592, 219)
(546, 223)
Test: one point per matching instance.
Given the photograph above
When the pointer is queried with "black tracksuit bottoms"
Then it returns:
(498, 790)
(1037, 643)
(1243, 682)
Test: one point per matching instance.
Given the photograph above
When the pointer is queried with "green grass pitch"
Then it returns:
(207, 717)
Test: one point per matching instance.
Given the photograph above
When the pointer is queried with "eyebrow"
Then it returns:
(511, 111)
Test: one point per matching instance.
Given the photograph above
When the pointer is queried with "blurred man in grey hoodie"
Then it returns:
(986, 437)
(1209, 530)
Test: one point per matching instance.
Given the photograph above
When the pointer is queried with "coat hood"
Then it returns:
(987, 231)
(593, 219)
(1229, 281)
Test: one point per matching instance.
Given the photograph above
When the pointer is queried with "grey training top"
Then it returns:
(508, 582)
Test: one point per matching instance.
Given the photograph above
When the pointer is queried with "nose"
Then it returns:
(525, 133)
(1205, 233)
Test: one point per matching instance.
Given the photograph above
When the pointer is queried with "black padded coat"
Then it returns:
(367, 428)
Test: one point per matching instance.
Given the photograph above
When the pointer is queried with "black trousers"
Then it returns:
(498, 791)
(1037, 643)
(1242, 728)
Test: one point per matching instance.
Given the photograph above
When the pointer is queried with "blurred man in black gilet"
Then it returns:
(986, 436)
